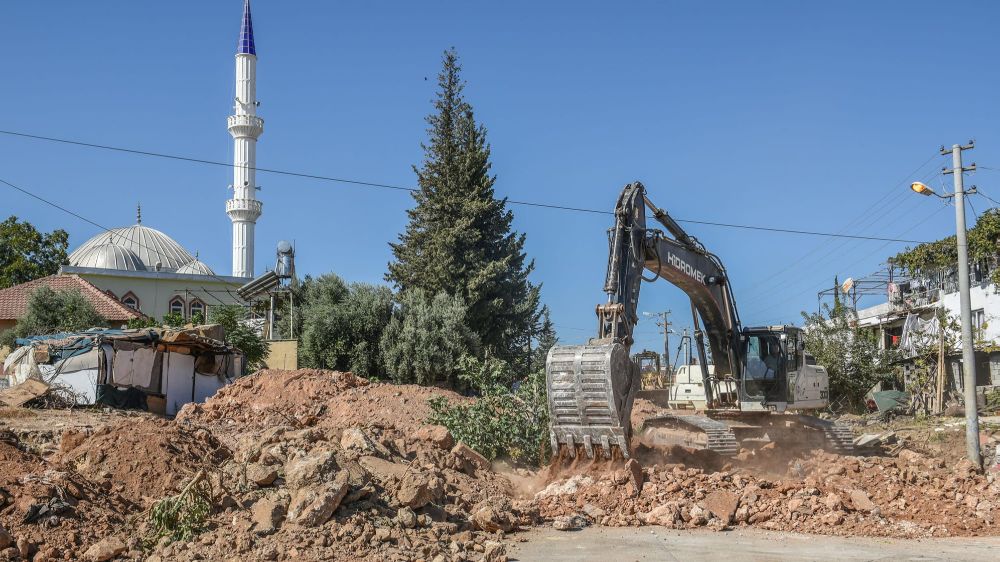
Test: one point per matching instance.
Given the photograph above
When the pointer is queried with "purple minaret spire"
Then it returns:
(246, 45)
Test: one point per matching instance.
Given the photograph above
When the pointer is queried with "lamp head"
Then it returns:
(921, 188)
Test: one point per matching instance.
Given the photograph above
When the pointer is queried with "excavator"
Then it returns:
(761, 384)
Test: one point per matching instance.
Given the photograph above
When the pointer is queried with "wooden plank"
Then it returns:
(21, 394)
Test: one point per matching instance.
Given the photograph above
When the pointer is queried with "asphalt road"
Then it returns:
(655, 543)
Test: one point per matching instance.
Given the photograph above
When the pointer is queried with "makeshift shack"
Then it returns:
(156, 369)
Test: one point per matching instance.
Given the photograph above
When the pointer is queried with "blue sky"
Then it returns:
(788, 114)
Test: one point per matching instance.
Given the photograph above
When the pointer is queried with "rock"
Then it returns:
(663, 515)
(634, 471)
(381, 535)
(493, 514)
(383, 470)
(471, 461)
(722, 504)
(436, 434)
(105, 550)
(353, 439)
(406, 517)
(71, 439)
(861, 501)
(833, 502)
(261, 475)
(313, 506)
(5, 539)
(593, 511)
(267, 515)
(971, 501)
(834, 518)
(569, 523)
(319, 465)
(24, 548)
(494, 551)
(418, 489)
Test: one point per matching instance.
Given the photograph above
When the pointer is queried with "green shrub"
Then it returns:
(509, 420)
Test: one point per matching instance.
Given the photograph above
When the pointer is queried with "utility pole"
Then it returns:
(968, 353)
(663, 321)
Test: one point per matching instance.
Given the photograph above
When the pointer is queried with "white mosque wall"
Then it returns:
(156, 290)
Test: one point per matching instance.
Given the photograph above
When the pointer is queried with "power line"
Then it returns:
(991, 200)
(370, 184)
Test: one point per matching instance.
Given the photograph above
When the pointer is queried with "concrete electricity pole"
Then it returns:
(968, 352)
(663, 322)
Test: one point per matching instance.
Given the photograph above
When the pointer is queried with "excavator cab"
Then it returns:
(764, 382)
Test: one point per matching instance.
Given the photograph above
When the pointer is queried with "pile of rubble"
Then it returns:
(310, 465)
(908, 496)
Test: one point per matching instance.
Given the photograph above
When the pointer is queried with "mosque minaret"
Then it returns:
(244, 209)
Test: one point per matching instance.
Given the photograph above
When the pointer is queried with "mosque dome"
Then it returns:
(107, 256)
(154, 250)
(195, 267)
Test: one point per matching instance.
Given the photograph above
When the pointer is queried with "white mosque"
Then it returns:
(150, 272)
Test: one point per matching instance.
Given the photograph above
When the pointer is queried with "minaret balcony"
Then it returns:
(245, 126)
(243, 209)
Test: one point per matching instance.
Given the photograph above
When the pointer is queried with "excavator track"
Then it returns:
(839, 438)
(719, 437)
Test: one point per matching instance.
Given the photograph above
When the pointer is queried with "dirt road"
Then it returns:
(649, 544)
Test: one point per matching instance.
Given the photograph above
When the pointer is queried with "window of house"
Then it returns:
(131, 301)
(177, 306)
(197, 307)
(978, 320)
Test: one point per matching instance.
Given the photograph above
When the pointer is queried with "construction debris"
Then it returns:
(314, 465)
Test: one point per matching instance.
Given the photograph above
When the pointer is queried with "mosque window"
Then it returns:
(177, 306)
(197, 307)
(130, 300)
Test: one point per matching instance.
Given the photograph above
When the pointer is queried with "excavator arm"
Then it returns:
(592, 387)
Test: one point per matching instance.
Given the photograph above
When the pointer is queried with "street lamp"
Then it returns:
(965, 301)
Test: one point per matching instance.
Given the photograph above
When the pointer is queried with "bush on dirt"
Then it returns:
(851, 356)
(52, 311)
(427, 338)
(233, 318)
(509, 420)
(181, 517)
(342, 325)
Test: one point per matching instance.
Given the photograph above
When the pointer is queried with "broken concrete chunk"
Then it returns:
(417, 489)
(105, 550)
(472, 460)
(319, 465)
(494, 514)
(861, 501)
(722, 504)
(663, 515)
(261, 475)
(569, 522)
(437, 434)
(634, 471)
(315, 505)
(267, 515)
(353, 439)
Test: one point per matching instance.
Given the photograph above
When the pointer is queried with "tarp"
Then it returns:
(178, 384)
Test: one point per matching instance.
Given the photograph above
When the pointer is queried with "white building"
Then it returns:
(924, 298)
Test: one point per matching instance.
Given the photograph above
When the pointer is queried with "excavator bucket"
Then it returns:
(590, 391)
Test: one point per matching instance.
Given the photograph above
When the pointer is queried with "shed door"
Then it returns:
(179, 385)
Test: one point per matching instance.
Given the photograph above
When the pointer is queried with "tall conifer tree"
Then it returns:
(459, 239)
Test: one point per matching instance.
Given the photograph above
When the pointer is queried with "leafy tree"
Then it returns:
(852, 357)
(545, 339)
(427, 338)
(233, 318)
(459, 238)
(52, 311)
(507, 420)
(27, 254)
(942, 255)
(342, 325)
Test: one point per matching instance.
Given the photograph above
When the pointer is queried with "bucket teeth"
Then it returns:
(606, 446)
(571, 446)
(588, 446)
